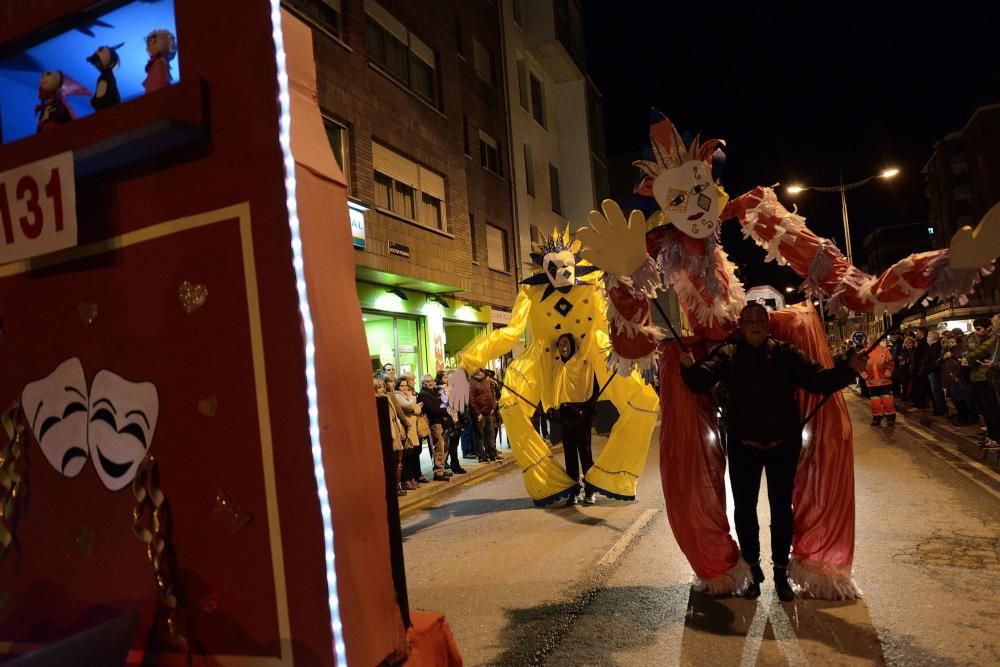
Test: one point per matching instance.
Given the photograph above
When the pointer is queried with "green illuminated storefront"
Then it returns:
(416, 331)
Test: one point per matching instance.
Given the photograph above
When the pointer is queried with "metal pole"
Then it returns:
(843, 215)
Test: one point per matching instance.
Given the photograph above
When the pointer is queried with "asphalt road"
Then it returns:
(607, 585)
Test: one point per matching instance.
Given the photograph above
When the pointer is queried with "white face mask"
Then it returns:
(560, 267)
(57, 410)
(112, 424)
(690, 198)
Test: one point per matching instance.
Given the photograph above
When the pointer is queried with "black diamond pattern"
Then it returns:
(563, 306)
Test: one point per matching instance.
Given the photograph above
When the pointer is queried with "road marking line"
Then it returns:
(944, 452)
(622, 544)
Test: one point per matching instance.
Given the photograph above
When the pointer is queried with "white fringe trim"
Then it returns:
(731, 582)
(788, 224)
(823, 581)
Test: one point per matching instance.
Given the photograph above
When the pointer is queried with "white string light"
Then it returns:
(284, 138)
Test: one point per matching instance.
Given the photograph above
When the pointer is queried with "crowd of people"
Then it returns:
(419, 416)
(929, 368)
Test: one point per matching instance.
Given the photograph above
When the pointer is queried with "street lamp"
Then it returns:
(843, 188)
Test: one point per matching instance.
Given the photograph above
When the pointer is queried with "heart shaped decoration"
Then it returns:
(192, 296)
(87, 311)
(84, 543)
(208, 405)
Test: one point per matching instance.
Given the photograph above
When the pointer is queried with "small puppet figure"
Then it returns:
(105, 59)
(162, 48)
(52, 108)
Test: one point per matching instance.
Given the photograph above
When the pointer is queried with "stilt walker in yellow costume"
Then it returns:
(563, 297)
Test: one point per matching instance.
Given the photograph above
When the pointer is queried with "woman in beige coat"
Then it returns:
(411, 409)
(396, 428)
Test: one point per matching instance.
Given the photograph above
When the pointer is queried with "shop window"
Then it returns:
(400, 53)
(537, 100)
(67, 51)
(482, 60)
(408, 190)
(554, 191)
(327, 15)
(339, 139)
(394, 339)
(489, 153)
(496, 248)
(529, 171)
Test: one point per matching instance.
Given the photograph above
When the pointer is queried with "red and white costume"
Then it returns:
(688, 258)
(878, 376)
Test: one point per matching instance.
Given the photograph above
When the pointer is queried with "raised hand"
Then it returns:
(616, 245)
(972, 249)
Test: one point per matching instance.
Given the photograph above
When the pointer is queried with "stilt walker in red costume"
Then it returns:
(677, 246)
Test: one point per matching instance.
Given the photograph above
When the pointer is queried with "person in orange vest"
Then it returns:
(878, 377)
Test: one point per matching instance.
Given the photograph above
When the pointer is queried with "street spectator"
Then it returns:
(984, 362)
(454, 426)
(483, 403)
(902, 375)
(959, 391)
(396, 431)
(930, 366)
(437, 417)
(764, 428)
(411, 468)
(919, 387)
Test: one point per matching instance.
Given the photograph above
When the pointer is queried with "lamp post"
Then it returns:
(842, 188)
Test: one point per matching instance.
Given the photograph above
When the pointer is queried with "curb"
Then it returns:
(966, 438)
(475, 471)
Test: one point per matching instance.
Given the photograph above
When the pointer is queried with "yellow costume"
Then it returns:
(553, 302)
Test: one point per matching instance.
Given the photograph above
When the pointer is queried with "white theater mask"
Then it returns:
(123, 419)
(113, 423)
(57, 408)
(690, 198)
(560, 267)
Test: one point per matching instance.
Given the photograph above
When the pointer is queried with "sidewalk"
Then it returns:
(475, 470)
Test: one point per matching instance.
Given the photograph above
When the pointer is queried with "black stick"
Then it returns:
(518, 395)
(677, 336)
(612, 377)
(885, 334)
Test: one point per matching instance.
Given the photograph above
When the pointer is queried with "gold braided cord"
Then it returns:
(12, 475)
(150, 521)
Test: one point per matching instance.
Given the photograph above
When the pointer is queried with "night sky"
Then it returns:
(799, 94)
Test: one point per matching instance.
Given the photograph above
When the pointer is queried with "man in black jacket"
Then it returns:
(764, 428)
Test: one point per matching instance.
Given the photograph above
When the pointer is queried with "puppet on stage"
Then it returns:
(563, 297)
(162, 48)
(53, 109)
(106, 60)
(678, 247)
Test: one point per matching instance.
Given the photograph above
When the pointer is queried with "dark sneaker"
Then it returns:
(757, 573)
(459, 471)
(441, 477)
(572, 500)
(590, 499)
(890, 420)
(876, 421)
(422, 480)
(781, 585)
(752, 591)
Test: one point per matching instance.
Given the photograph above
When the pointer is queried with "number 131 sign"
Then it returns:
(37, 208)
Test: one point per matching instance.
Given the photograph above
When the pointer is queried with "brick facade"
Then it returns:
(357, 93)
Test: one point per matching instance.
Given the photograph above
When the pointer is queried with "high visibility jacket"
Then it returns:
(878, 372)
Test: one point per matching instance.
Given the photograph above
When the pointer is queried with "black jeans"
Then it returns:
(989, 408)
(576, 420)
(746, 464)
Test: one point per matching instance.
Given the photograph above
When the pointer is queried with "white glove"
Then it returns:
(615, 245)
(458, 390)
